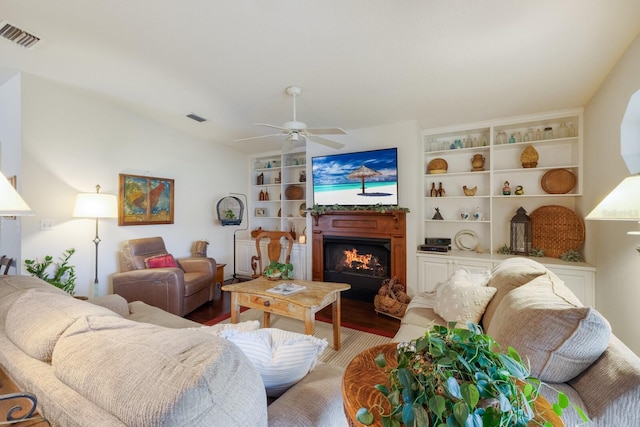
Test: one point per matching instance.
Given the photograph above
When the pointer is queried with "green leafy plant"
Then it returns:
(504, 250)
(453, 377)
(61, 274)
(380, 208)
(572, 256)
(535, 252)
(275, 267)
(228, 214)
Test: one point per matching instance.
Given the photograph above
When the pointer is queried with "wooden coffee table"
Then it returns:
(363, 374)
(302, 305)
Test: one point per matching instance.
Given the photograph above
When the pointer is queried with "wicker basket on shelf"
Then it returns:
(391, 298)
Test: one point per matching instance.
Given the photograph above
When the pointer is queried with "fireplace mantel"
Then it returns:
(385, 225)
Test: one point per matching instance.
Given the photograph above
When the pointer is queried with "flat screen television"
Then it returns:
(363, 178)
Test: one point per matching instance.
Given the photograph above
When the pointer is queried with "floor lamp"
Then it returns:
(96, 205)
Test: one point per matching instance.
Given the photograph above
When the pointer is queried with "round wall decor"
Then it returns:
(466, 240)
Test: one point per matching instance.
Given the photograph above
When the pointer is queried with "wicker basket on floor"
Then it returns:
(391, 298)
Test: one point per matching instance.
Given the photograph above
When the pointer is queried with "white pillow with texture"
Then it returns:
(249, 325)
(282, 358)
(461, 299)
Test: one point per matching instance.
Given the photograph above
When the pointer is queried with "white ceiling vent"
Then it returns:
(17, 36)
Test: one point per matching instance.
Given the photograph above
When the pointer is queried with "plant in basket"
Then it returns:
(452, 377)
(276, 271)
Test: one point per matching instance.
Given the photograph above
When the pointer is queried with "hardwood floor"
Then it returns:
(354, 312)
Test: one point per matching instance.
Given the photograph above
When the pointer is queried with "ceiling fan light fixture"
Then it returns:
(295, 136)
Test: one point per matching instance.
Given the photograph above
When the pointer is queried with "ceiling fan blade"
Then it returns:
(325, 141)
(261, 136)
(327, 131)
(271, 126)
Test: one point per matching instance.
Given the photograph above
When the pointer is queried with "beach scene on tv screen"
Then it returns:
(361, 178)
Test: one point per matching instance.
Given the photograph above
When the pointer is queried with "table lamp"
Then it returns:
(11, 204)
(96, 205)
(623, 203)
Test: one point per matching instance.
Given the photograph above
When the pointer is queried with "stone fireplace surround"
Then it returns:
(388, 225)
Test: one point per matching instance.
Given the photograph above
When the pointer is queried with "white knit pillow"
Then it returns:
(282, 358)
(460, 300)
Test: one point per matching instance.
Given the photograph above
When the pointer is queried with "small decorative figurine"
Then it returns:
(464, 215)
(437, 214)
(477, 214)
(506, 190)
(519, 190)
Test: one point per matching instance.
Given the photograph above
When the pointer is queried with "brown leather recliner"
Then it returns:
(178, 290)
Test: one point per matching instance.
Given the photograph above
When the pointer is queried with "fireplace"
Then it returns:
(361, 248)
(362, 262)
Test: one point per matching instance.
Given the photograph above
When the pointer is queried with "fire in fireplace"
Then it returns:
(362, 262)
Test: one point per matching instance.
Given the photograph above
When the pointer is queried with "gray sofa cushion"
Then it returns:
(37, 319)
(556, 337)
(113, 302)
(505, 277)
(186, 383)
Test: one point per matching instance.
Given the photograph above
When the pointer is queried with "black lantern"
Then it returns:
(521, 233)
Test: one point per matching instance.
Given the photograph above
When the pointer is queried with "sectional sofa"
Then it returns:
(570, 347)
(109, 363)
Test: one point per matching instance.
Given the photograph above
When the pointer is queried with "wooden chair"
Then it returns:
(274, 249)
(5, 264)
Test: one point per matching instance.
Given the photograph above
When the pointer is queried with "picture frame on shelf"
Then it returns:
(145, 200)
(260, 212)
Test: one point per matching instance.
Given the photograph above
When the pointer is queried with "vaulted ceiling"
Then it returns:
(360, 63)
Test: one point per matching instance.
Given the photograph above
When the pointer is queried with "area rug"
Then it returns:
(353, 341)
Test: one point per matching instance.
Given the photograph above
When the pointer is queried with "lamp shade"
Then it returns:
(622, 204)
(96, 205)
(11, 204)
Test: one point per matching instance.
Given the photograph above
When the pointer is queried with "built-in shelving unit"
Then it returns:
(502, 163)
(278, 192)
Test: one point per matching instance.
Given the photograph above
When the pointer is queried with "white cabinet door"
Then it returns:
(431, 271)
(298, 259)
(244, 250)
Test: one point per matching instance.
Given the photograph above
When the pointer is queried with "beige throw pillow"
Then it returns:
(459, 300)
(558, 338)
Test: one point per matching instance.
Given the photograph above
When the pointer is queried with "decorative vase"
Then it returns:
(477, 163)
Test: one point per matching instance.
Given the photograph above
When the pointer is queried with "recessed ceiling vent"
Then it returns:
(196, 117)
(17, 36)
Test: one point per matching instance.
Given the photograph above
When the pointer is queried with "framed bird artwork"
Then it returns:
(145, 200)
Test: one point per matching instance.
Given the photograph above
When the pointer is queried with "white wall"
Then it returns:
(10, 160)
(608, 247)
(407, 137)
(73, 140)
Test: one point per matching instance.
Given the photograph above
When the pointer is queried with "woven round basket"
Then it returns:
(556, 229)
(389, 305)
(437, 165)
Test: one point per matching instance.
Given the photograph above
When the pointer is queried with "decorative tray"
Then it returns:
(558, 181)
(294, 192)
(556, 229)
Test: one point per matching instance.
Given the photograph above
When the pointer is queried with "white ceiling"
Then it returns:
(360, 63)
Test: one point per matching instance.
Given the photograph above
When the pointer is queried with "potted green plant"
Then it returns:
(61, 275)
(276, 270)
(454, 377)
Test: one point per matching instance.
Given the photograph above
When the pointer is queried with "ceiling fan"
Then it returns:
(297, 132)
